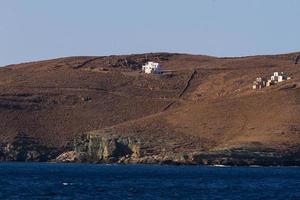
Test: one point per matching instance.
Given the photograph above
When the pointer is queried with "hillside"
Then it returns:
(203, 111)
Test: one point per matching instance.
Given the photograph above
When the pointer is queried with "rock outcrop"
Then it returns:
(296, 60)
(26, 148)
(69, 156)
(248, 157)
(95, 148)
(102, 149)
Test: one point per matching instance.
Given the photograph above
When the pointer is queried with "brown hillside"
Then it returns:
(206, 104)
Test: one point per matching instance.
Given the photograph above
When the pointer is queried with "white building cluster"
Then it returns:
(277, 77)
(151, 68)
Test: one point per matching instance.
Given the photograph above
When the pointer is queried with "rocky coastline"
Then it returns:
(91, 148)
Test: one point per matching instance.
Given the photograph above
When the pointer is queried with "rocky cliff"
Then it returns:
(91, 148)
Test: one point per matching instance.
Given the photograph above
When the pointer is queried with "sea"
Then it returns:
(95, 181)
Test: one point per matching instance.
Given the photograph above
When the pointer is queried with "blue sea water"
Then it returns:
(83, 181)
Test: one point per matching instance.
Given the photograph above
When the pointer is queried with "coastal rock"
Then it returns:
(26, 148)
(70, 156)
(247, 157)
(106, 149)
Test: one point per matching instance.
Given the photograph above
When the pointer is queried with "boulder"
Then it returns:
(70, 156)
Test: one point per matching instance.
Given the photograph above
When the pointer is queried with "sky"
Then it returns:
(37, 30)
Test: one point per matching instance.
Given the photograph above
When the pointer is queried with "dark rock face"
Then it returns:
(105, 149)
(127, 63)
(297, 58)
(25, 148)
(239, 157)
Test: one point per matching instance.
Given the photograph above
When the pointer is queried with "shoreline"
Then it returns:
(153, 164)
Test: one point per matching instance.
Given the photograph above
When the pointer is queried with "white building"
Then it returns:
(260, 83)
(151, 68)
(277, 77)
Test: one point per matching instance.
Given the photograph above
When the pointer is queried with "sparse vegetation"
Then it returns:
(54, 100)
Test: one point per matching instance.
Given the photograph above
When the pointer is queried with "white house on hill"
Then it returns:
(151, 68)
(277, 77)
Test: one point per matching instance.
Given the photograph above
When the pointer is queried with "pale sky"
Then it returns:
(42, 29)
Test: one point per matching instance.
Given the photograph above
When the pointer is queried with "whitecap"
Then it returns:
(65, 183)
